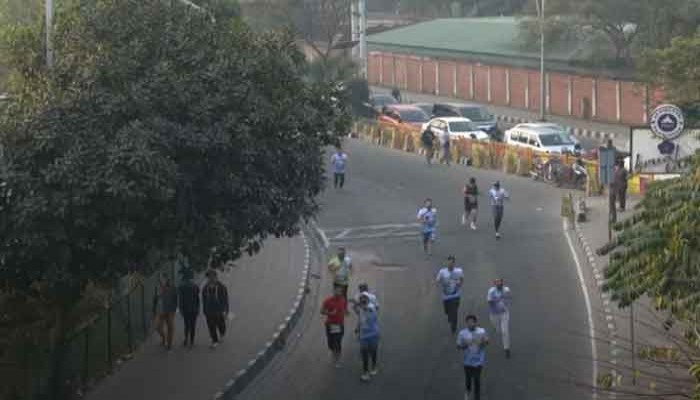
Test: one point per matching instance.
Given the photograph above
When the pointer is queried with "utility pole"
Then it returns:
(49, 33)
(363, 37)
(543, 78)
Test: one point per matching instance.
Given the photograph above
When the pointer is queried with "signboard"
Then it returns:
(667, 121)
(606, 170)
(654, 155)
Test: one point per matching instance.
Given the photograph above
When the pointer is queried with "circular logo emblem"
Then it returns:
(667, 121)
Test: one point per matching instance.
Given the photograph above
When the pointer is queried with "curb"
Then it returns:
(276, 343)
(575, 131)
(605, 297)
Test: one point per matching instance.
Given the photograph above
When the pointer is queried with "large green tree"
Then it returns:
(159, 132)
(675, 70)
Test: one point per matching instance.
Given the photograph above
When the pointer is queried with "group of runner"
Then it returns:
(473, 339)
(427, 215)
(336, 308)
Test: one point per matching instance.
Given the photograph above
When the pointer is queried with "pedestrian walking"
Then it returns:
(363, 290)
(450, 279)
(188, 302)
(497, 195)
(396, 94)
(472, 341)
(215, 306)
(368, 333)
(498, 297)
(164, 307)
(428, 141)
(335, 308)
(340, 267)
(427, 215)
(471, 204)
(620, 184)
(339, 160)
(444, 139)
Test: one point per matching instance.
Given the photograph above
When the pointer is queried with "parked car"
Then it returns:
(476, 113)
(426, 107)
(404, 114)
(542, 137)
(456, 127)
(379, 101)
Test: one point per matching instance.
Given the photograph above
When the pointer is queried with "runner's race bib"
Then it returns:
(335, 328)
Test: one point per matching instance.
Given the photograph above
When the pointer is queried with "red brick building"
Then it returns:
(481, 60)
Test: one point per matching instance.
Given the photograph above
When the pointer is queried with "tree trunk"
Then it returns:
(58, 353)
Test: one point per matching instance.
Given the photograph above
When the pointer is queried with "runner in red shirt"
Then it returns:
(335, 308)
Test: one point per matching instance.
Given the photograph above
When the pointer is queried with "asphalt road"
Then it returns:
(373, 217)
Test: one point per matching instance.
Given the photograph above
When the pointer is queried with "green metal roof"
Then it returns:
(490, 40)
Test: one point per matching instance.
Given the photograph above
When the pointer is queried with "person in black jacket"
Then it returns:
(215, 307)
(188, 302)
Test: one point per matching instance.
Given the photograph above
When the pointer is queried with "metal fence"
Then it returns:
(92, 350)
(479, 154)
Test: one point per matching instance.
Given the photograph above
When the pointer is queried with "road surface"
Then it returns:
(374, 217)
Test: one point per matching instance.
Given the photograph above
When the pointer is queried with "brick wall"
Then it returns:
(523, 87)
(559, 94)
(446, 78)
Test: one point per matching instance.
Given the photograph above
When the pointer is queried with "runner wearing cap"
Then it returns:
(368, 333)
(497, 195)
(497, 297)
(363, 289)
(450, 279)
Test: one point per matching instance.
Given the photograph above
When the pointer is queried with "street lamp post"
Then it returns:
(49, 34)
(543, 78)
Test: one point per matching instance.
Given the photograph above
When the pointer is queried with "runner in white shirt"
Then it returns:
(497, 195)
(427, 215)
(498, 298)
(450, 280)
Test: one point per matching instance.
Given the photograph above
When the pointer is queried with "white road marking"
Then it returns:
(343, 234)
(374, 227)
(324, 238)
(589, 310)
(375, 236)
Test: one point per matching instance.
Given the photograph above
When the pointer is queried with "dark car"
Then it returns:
(426, 107)
(404, 114)
(476, 113)
(379, 101)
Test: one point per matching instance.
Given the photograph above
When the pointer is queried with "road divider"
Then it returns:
(475, 153)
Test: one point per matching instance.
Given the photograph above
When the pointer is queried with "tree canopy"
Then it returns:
(159, 131)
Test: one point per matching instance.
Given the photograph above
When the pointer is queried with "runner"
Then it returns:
(339, 159)
(472, 341)
(427, 215)
(497, 297)
(363, 289)
(428, 139)
(340, 267)
(471, 205)
(498, 195)
(368, 334)
(335, 308)
(450, 280)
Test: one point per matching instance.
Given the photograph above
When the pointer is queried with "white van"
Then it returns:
(542, 137)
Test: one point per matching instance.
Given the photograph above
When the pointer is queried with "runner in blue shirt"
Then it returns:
(427, 215)
(473, 341)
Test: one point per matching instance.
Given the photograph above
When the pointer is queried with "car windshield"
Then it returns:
(414, 115)
(462, 126)
(427, 108)
(476, 114)
(555, 139)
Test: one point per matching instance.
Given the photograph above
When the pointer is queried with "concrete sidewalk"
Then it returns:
(617, 332)
(261, 289)
(593, 133)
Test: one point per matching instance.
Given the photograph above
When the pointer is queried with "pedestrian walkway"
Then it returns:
(596, 132)
(261, 291)
(617, 331)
